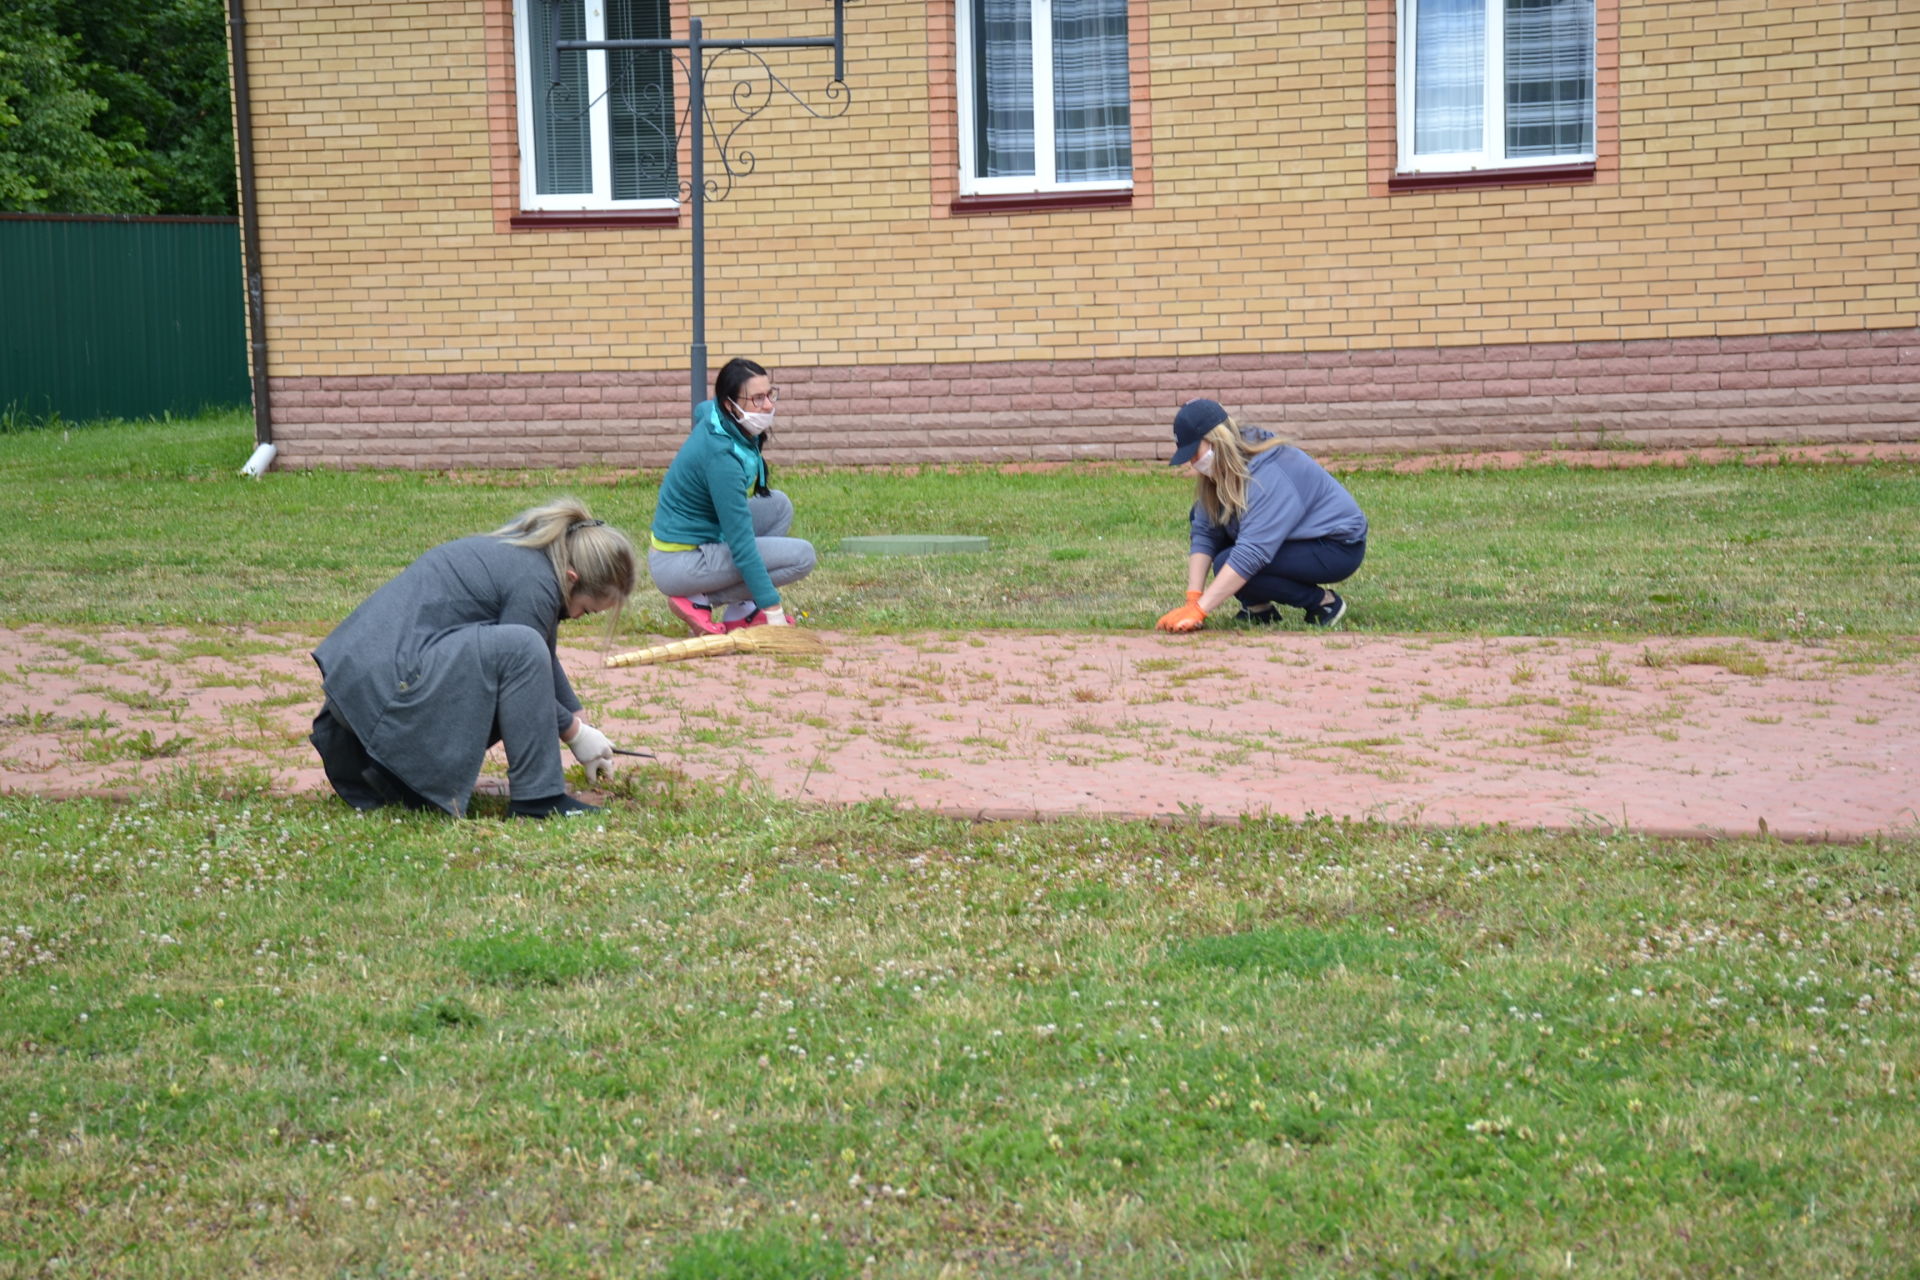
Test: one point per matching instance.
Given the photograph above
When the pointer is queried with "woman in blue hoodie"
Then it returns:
(720, 549)
(1269, 522)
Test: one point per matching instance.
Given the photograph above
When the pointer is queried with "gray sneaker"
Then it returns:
(1329, 614)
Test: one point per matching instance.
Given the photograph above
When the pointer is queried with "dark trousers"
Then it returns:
(355, 776)
(1299, 571)
(514, 660)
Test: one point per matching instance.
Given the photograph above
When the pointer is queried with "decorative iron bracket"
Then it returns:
(750, 98)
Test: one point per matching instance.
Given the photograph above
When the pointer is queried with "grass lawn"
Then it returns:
(708, 1034)
(717, 1037)
(152, 524)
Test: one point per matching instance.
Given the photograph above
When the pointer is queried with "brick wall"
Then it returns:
(1849, 386)
(1744, 266)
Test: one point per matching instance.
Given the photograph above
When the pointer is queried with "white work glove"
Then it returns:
(595, 754)
(777, 616)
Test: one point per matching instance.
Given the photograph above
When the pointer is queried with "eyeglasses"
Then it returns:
(765, 401)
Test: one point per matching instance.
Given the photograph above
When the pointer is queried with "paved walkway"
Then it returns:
(1665, 736)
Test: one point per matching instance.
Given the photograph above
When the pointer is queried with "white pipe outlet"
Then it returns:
(262, 459)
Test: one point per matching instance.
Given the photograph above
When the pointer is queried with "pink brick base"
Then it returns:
(1801, 388)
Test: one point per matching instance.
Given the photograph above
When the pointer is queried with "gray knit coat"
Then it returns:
(405, 674)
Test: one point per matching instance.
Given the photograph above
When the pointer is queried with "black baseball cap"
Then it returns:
(1190, 427)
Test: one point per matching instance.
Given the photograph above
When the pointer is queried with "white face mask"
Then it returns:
(754, 424)
(1204, 463)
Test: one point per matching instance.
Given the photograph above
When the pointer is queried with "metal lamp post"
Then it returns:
(697, 119)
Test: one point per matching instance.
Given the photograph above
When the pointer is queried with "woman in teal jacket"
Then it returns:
(720, 549)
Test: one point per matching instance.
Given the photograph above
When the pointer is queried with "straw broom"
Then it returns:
(774, 640)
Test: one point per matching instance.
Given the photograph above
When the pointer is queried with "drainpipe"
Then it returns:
(264, 448)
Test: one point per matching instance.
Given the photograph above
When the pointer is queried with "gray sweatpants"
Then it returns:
(709, 570)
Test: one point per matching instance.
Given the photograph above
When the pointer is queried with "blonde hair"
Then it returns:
(599, 555)
(1223, 495)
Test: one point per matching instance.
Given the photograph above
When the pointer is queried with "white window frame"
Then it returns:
(598, 117)
(1042, 178)
(1492, 153)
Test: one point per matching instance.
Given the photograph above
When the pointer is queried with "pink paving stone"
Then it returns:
(1007, 724)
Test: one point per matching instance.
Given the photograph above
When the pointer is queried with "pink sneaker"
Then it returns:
(758, 618)
(698, 618)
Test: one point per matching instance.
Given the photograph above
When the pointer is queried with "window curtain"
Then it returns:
(1549, 77)
(640, 107)
(1449, 76)
(1093, 139)
(1003, 87)
(563, 145)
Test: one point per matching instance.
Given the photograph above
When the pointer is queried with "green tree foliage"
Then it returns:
(115, 106)
(50, 159)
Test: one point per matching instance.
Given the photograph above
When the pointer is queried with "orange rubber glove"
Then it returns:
(1188, 617)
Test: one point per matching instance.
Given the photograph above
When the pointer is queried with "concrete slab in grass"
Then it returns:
(913, 544)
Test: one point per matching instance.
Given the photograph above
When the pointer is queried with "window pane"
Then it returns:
(1549, 77)
(562, 150)
(1092, 138)
(1449, 76)
(1003, 87)
(640, 103)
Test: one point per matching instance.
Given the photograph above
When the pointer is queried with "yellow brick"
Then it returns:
(1743, 191)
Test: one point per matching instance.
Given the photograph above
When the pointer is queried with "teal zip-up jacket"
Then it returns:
(703, 497)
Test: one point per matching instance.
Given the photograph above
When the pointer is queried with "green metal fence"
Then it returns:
(120, 317)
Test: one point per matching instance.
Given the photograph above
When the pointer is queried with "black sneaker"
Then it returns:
(560, 806)
(1260, 615)
(1329, 614)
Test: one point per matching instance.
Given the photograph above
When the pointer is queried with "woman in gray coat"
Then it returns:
(457, 653)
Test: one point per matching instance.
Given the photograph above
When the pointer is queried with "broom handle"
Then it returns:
(673, 651)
